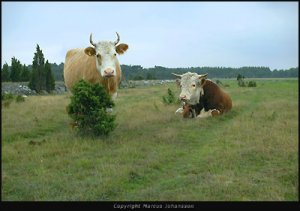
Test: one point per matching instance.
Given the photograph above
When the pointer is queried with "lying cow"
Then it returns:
(201, 97)
(96, 64)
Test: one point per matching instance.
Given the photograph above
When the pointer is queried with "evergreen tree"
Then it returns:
(50, 82)
(5, 76)
(88, 109)
(38, 76)
(25, 74)
(33, 80)
(16, 68)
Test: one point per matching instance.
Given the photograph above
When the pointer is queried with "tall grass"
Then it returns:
(248, 154)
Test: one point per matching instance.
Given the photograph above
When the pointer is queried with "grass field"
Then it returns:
(249, 154)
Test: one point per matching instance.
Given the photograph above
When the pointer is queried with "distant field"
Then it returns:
(249, 154)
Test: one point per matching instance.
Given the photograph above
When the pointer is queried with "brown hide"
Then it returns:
(186, 111)
(79, 66)
(214, 97)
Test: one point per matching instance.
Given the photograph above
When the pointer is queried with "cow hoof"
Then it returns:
(215, 112)
(179, 111)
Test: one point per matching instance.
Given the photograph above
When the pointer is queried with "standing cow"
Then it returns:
(201, 97)
(97, 64)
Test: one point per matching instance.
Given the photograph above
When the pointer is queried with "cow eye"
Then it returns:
(193, 85)
(98, 55)
(115, 54)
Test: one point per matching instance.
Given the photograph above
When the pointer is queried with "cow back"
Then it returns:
(215, 98)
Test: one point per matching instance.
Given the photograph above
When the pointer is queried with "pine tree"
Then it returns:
(33, 80)
(50, 82)
(5, 76)
(38, 77)
(88, 109)
(25, 74)
(16, 68)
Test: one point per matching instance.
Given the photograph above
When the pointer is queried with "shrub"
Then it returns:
(219, 82)
(241, 83)
(88, 109)
(170, 98)
(20, 98)
(6, 103)
(252, 84)
(7, 96)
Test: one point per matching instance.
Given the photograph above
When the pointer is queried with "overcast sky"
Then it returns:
(169, 34)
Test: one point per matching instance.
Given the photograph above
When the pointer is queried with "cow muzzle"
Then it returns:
(183, 98)
(108, 73)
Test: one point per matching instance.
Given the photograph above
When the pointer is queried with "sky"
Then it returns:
(168, 34)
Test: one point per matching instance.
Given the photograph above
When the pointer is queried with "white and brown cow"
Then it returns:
(201, 97)
(97, 64)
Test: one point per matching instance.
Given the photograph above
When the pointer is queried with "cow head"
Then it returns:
(105, 54)
(191, 85)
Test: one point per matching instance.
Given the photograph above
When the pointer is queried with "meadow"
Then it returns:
(249, 154)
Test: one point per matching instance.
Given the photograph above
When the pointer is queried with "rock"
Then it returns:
(21, 88)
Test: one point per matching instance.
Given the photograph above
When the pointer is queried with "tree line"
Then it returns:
(39, 74)
(19, 72)
(137, 72)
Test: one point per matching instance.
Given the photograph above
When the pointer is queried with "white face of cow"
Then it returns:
(191, 87)
(105, 54)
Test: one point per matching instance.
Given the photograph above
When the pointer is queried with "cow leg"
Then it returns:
(215, 112)
(114, 96)
(205, 114)
(179, 111)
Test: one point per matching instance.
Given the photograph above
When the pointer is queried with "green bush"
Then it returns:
(6, 99)
(170, 98)
(88, 109)
(241, 83)
(5, 96)
(252, 84)
(20, 98)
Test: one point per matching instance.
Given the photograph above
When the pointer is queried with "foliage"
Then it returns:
(38, 73)
(88, 109)
(50, 82)
(5, 76)
(170, 98)
(41, 77)
(20, 98)
(138, 78)
(243, 83)
(219, 83)
(240, 80)
(251, 84)
(16, 68)
(137, 72)
(6, 99)
(7, 96)
(25, 74)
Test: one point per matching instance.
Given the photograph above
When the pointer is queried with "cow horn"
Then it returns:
(91, 40)
(202, 76)
(118, 39)
(177, 75)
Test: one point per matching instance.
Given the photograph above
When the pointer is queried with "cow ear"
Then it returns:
(90, 51)
(121, 48)
(202, 82)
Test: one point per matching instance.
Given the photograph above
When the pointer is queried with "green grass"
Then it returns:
(249, 154)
